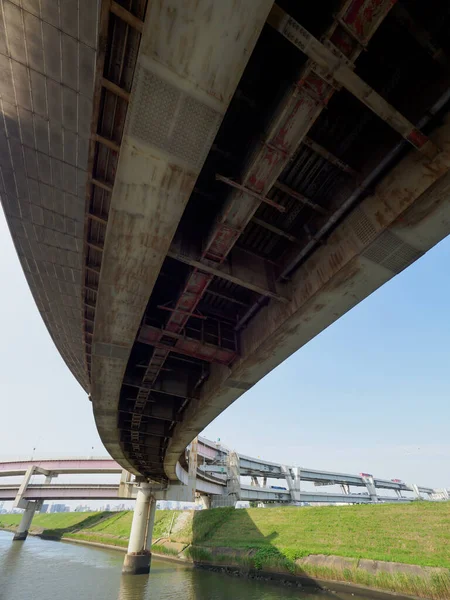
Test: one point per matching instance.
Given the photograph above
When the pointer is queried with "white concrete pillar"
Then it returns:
(137, 558)
(150, 524)
(192, 469)
(415, 488)
(292, 475)
(25, 522)
(203, 500)
(370, 485)
(234, 475)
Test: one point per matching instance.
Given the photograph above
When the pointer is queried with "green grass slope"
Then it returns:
(416, 533)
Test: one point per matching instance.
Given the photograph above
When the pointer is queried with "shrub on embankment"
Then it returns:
(298, 541)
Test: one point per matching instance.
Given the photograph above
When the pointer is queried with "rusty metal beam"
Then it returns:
(222, 274)
(226, 298)
(115, 89)
(92, 269)
(97, 218)
(126, 16)
(250, 192)
(111, 144)
(183, 312)
(94, 246)
(185, 345)
(163, 433)
(327, 155)
(153, 411)
(334, 68)
(104, 185)
(300, 197)
(275, 230)
(178, 387)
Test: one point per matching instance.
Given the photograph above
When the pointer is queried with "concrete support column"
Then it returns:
(203, 500)
(25, 522)
(233, 476)
(150, 525)
(370, 485)
(192, 469)
(292, 475)
(415, 488)
(137, 559)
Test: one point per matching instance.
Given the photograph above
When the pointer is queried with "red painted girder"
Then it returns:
(185, 345)
(193, 291)
(363, 17)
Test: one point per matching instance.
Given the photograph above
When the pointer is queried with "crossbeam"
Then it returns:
(223, 273)
(185, 345)
(335, 68)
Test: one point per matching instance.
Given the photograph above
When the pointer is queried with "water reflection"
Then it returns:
(133, 587)
(42, 569)
(9, 563)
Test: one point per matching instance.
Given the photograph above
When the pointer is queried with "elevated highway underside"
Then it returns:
(251, 172)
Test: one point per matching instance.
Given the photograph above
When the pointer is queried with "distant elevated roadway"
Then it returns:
(213, 477)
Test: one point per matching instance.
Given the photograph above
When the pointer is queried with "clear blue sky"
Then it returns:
(371, 393)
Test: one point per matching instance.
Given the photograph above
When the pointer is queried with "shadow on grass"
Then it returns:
(259, 558)
(88, 522)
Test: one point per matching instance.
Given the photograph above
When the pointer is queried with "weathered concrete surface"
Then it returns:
(137, 564)
(47, 63)
(379, 566)
(408, 213)
(186, 74)
(333, 562)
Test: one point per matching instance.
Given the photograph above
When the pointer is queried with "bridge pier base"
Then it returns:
(25, 522)
(203, 500)
(138, 557)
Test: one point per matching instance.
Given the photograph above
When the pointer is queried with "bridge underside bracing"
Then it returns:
(248, 182)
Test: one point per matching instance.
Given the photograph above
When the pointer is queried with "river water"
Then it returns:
(44, 570)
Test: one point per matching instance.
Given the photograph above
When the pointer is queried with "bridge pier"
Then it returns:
(370, 485)
(25, 522)
(138, 557)
(203, 500)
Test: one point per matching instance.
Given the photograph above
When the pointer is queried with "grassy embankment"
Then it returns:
(111, 528)
(279, 539)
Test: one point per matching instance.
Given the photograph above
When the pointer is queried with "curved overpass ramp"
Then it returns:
(186, 211)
